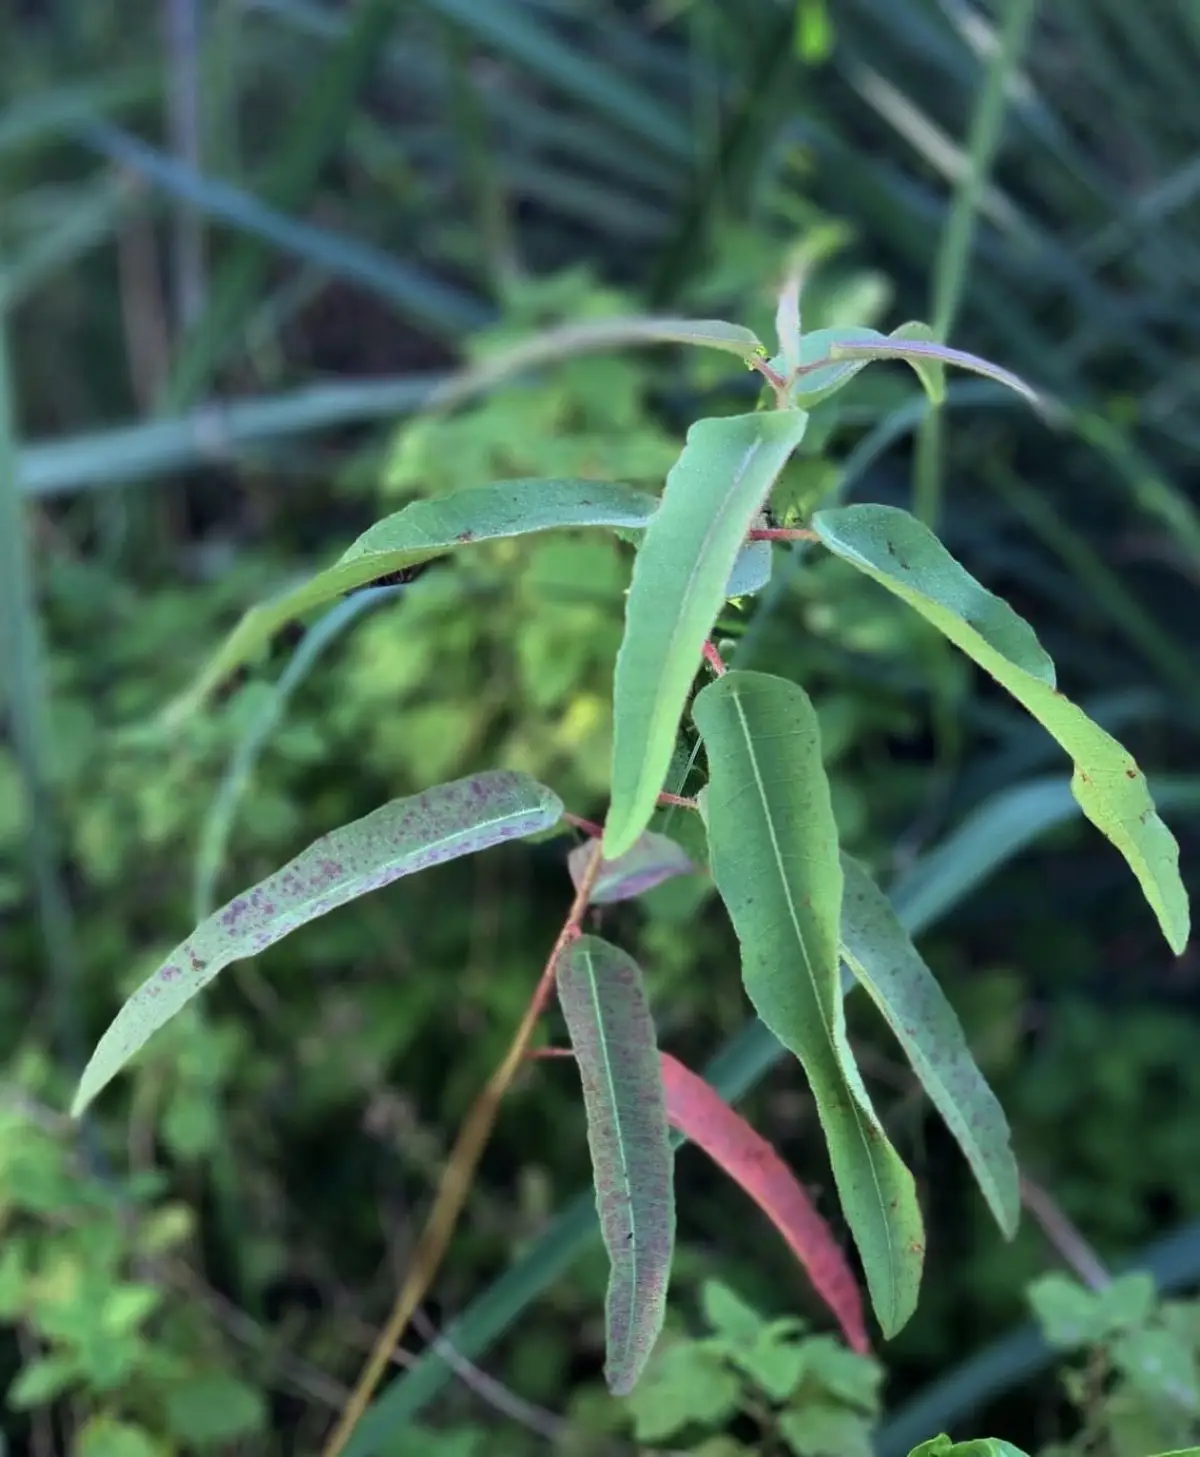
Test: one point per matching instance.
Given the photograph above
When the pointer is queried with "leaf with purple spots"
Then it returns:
(397, 839)
(877, 949)
(653, 859)
(602, 998)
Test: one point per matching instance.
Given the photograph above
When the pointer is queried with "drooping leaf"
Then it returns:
(885, 962)
(830, 358)
(652, 859)
(395, 840)
(418, 533)
(703, 1116)
(776, 864)
(927, 351)
(713, 494)
(905, 557)
(604, 1004)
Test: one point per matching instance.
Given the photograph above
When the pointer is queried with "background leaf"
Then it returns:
(397, 839)
(887, 964)
(713, 494)
(602, 998)
(775, 862)
(905, 557)
(420, 532)
(703, 1117)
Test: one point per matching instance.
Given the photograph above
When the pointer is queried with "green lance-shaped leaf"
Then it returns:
(830, 358)
(423, 530)
(877, 949)
(713, 495)
(602, 998)
(906, 558)
(775, 862)
(397, 839)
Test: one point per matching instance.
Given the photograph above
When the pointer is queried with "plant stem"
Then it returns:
(460, 1170)
(954, 247)
(714, 659)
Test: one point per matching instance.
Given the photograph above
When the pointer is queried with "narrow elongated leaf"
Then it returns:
(830, 358)
(905, 557)
(775, 862)
(713, 494)
(397, 839)
(421, 531)
(652, 859)
(698, 1112)
(888, 966)
(608, 1017)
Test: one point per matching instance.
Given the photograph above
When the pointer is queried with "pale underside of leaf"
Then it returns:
(704, 1118)
(712, 497)
(421, 531)
(604, 1004)
(884, 961)
(652, 859)
(395, 840)
(905, 557)
(775, 861)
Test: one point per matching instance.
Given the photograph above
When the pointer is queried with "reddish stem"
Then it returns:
(589, 827)
(677, 799)
(782, 533)
(714, 660)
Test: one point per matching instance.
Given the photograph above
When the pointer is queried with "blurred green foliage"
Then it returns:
(219, 1242)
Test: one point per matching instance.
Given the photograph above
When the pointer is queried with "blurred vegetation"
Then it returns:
(241, 241)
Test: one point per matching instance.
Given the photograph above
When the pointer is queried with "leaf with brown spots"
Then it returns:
(877, 949)
(604, 1003)
(398, 839)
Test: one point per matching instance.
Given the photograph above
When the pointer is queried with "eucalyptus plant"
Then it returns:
(799, 906)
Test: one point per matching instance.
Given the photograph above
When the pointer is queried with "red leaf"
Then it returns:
(703, 1117)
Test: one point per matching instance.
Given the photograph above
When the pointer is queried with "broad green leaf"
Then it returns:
(421, 531)
(885, 962)
(820, 1429)
(604, 1004)
(1072, 1316)
(775, 862)
(905, 557)
(395, 840)
(713, 494)
(652, 860)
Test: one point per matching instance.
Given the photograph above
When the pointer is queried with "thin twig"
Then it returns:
(459, 1172)
(1076, 1253)
(714, 660)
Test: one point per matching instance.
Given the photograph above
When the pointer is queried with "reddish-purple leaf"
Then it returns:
(702, 1116)
(652, 859)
